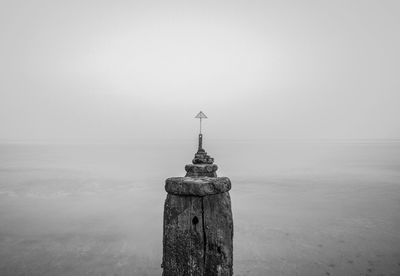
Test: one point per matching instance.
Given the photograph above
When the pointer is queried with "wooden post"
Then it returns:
(198, 225)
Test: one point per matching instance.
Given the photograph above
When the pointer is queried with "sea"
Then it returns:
(299, 207)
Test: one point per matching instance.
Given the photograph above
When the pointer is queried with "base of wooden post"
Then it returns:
(198, 227)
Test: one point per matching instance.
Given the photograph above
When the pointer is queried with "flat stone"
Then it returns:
(197, 186)
(201, 157)
(199, 170)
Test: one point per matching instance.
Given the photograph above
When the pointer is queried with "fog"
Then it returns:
(122, 71)
(97, 106)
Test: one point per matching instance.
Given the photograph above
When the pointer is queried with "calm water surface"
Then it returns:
(300, 208)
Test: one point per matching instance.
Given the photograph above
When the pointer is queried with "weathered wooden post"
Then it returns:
(198, 225)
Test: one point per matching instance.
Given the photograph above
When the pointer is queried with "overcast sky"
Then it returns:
(118, 71)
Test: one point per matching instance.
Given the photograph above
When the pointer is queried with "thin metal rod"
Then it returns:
(200, 125)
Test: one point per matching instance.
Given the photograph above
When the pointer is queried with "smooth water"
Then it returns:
(300, 208)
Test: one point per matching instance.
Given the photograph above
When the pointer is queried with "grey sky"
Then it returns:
(116, 71)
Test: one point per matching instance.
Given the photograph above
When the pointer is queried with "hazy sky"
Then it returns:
(118, 71)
